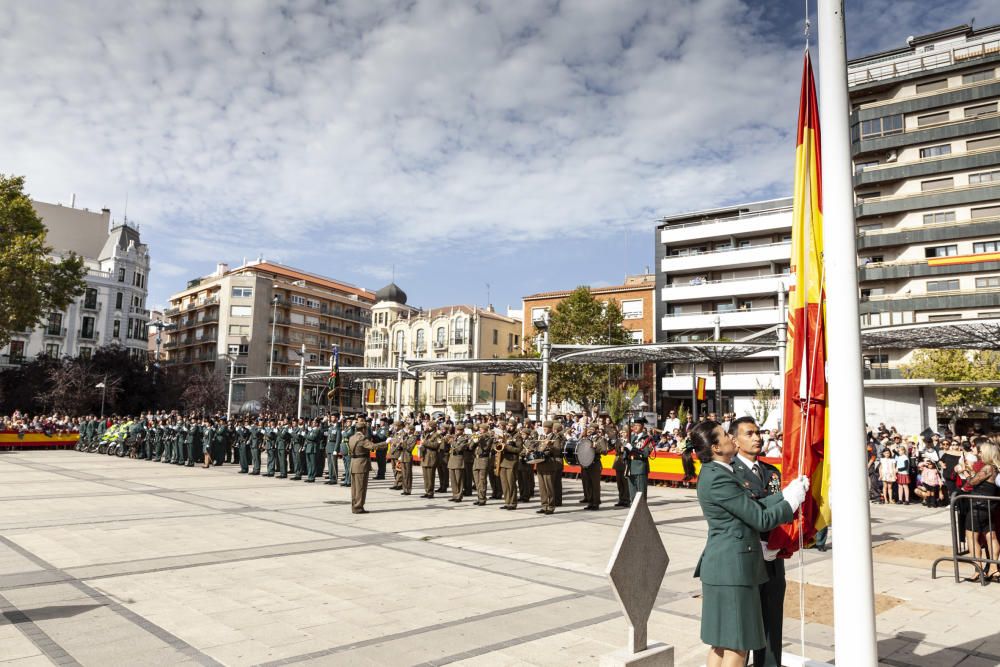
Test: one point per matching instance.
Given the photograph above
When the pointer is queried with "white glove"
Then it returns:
(805, 482)
(795, 493)
(769, 554)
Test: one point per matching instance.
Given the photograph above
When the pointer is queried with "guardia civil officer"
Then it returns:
(334, 434)
(763, 480)
(731, 567)
(637, 452)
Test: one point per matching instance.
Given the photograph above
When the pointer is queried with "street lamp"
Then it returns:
(103, 386)
(542, 324)
(159, 326)
(274, 321)
(302, 376)
(232, 372)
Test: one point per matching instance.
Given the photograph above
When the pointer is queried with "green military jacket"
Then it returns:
(732, 555)
(334, 434)
(767, 484)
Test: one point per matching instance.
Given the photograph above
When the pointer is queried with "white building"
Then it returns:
(720, 271)
(112, 310)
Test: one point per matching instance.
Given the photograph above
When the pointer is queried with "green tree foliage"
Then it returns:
(33, 282)
(620, 401)
(580, 319)
(958, 366)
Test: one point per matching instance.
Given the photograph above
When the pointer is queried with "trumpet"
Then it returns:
(498, 446)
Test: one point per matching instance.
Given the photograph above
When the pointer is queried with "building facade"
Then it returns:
(926, 150)
(112, 310)
(257, 318)
(450, 332)
(636, 299)
(721, 273)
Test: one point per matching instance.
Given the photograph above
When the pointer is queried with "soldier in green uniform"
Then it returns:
(334, 433)
(298, 433)
(591, 475)
(456, 465)
(560, 436)
(270, 435)
(526, 472)
(509, 464)
(313, 435)
(637, 451)
(256, 439)
(430, 444)
(482, 448)
(284, 444)
(549, 446)
(763, 480)
(402, 446)
(345, 450)
(192, 441)
(731, 566)
(444, 455)
(241, 440)
(361, 446)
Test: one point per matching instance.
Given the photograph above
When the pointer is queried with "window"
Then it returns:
(87, 328)
(932, 119)
(85, 352)
(460, 331)
(516, 340)
(985, 246)
(298, 300)
(239, 329)
(877, 127)
(400, 341)
(121, 275)
(239, 349)
(439, 336)
(137, 279)
(239, 369)
(54, 326)
(988, 281)
(937, 184)
(942, 285)
(981, 75)
(980, 144)
(744, 244)
(496, 337)
(746, 305)
(421, 341)
(242, 292)
(16, 350)
(636, 337)
(439, 392)
(985, 212)
(52, 350)
(632, 309)
(241, 311)
(90, 298)
(939, 217)
(118, 300)
(312, 303)
(941, 251)
(934, 151)
(928, 86)
(633, 371)
(944, 317)
(980, 110)
(984, 177)
(861, 166)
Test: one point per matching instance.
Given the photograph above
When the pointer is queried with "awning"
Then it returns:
(702, 352)
(978, 334)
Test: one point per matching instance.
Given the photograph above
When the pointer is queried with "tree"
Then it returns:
(580, 319)
(34, 282)
(205, 392)
(620, 402)
(283, 399)
(763, 403)
(72, 387)
(958, 366)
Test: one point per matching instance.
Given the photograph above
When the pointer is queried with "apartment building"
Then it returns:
(449, 332)
(636, 299)
(926, 149)
(260, 315)
(112, 309)
(720, 272)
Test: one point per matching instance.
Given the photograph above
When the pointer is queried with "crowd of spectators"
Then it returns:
(51, 425)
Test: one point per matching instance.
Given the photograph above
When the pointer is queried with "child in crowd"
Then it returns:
(887, 474)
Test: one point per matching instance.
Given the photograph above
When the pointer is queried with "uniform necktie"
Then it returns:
(756, 471)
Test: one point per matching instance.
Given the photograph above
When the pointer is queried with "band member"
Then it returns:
(404, 458)
(637, 452)
(430, 445)
(620, 464)
(361, 445)
(444, 454)
(482, 446)
(591, 475)
(525, 472)
(395, 445)
(560, 437)
(549, 447)
(509, 451)
(456, 465)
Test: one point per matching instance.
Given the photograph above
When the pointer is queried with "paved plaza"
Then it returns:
(107, 561)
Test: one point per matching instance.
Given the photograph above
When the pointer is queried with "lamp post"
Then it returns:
(103, 386)
(542, 324)
(494, 391)
(232, 373)
(274, 322)
(302, 376)
(159, 326)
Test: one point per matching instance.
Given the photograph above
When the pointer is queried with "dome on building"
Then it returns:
(391, 292)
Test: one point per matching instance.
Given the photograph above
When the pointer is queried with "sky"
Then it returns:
(474, 150)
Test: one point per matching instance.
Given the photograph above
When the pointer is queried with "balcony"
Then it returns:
(95, 306)
(142, 311)
(916, 201)
(877, 271)
(440, 345)
(171, 311)
(883, 374)
(377, 344)
(719, 228)
(459, 340)
(944, 231)
(731, 257)
(732, 319)
(881, 69)
(730, 381)
(720, 289)
(87, 335)
(54, 332)
(944, 300)
(460, 399)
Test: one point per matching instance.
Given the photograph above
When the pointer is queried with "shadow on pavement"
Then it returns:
(47, 613)
(899, 651)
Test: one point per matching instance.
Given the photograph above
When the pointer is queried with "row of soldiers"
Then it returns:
(490, 459)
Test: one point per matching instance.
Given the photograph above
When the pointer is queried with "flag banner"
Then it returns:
(699, 391)
(804, 413)
(331, 381)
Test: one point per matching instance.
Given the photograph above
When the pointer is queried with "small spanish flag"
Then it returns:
(699, 389)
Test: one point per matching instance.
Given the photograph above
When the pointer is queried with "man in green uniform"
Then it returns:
(334, 433)
(430, 445)
(550, 447)
(312, 436)
(298, 432)
(360, 446)
(192, 442)
(284, 444)
(637, 452)
(345, 450)
(559, 435)
(526, 472)
(482, 448)
(271, 446)
(456, 466)
(402, 445)
(509, 456)
(620, 465)
(255, 440)
(763, 480)
(591, 475)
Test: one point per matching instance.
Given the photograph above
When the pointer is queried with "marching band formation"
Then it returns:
(487, 457)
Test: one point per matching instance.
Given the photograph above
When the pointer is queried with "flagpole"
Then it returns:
(853, 600)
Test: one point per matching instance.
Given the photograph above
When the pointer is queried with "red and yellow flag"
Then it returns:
(804, 414)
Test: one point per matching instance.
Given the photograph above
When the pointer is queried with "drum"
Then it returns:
(569, 452)
(585, 452)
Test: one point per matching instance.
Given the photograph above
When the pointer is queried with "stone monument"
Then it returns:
(636, 570)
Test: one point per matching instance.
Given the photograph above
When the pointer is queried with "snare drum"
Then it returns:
(569, 452)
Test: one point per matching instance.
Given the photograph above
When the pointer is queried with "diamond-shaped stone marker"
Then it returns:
(636, 570)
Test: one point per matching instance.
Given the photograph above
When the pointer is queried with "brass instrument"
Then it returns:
(498, 446)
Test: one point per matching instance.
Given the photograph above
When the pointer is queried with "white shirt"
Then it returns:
(747, 462)
(670, 424)
(725, 465)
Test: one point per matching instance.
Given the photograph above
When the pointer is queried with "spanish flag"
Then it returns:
(805, 429)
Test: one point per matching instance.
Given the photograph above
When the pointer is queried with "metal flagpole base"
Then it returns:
(656, 655)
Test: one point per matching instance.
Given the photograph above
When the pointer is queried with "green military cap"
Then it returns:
(557, 426)
(484, 426)
(547, 423)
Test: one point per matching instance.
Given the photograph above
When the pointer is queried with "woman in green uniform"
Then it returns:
(732, 565)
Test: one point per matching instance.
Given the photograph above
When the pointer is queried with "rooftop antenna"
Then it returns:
(488, 302)
(125, 212)
(393, 273)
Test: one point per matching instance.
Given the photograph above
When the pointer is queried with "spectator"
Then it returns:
(887, 474)
(903, 473)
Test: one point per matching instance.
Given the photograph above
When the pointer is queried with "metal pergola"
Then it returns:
(978, 334)
(708, 352)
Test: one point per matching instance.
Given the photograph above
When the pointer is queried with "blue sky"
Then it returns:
(528, 144)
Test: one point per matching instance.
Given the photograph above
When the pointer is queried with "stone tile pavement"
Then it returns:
(107, 561)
